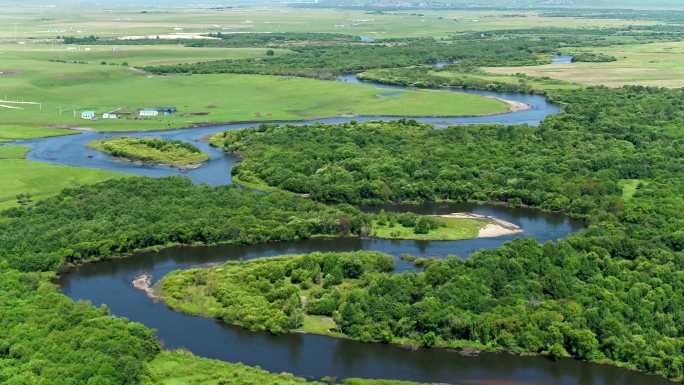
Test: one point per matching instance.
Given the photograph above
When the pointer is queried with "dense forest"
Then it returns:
(48, 339)
(223, 40)
(613, 293)
(152, 150)
(269, 294)
(120, 216)
(328, 58)
(467, 78)
(327, 61)
(591, 57)
(574, 162)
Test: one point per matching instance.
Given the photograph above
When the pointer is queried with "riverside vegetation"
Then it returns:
(612, 294)
(46, 338)
(153, 150)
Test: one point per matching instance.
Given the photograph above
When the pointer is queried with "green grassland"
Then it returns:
(13, 152)
(10, 133)
(536, 83)
(152, 150)
(658, 64)
(65, 89)
(181, 367)
(134, 55)
(630, 187)
(451, 229)
(363, 381)
(48, 23)
(40, 180)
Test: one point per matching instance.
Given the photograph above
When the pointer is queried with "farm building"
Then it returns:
(166, 110)
(109, 115)
(152, 112)
(149, 113)
(88, 115)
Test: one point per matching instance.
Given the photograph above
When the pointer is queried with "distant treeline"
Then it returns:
(667, 16)
(497, 48)
(591, 57)
(226, 40)
(421, 77)
(327, 61)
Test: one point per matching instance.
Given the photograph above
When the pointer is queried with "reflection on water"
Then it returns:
(109, 282)
(71, 150)
(561, 59)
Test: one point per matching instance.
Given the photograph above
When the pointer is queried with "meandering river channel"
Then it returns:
(311, 356)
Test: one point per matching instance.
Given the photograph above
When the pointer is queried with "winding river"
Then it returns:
(312, 356)
(71, 149)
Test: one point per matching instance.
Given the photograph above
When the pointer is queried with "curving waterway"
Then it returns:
(311, 356)
(71, 150)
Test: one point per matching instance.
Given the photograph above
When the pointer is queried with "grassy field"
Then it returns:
(629, 187)
(26, 22)
(134, 55)
(181, 367)
(63, 90)
(40, 180)
(658, 64)
(152, 150)
(13, 152)
(15, 132)
(454, 229)
(315, 324)
(536, 83)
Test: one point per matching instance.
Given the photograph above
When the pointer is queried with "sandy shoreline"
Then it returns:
(143, 282)
(497, 227)
(515, 106)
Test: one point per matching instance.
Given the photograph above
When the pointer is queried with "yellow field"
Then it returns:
(659, 65)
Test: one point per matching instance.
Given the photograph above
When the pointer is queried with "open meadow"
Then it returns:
(48, 22)
(60, 92)
(40, 180)
(657, 65)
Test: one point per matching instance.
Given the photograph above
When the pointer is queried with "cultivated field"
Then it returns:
(659, 64)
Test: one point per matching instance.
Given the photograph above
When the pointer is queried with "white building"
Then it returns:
(88, 115)
(149, 113)
(109, 115)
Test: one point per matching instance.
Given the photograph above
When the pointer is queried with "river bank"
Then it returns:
(496, 227)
